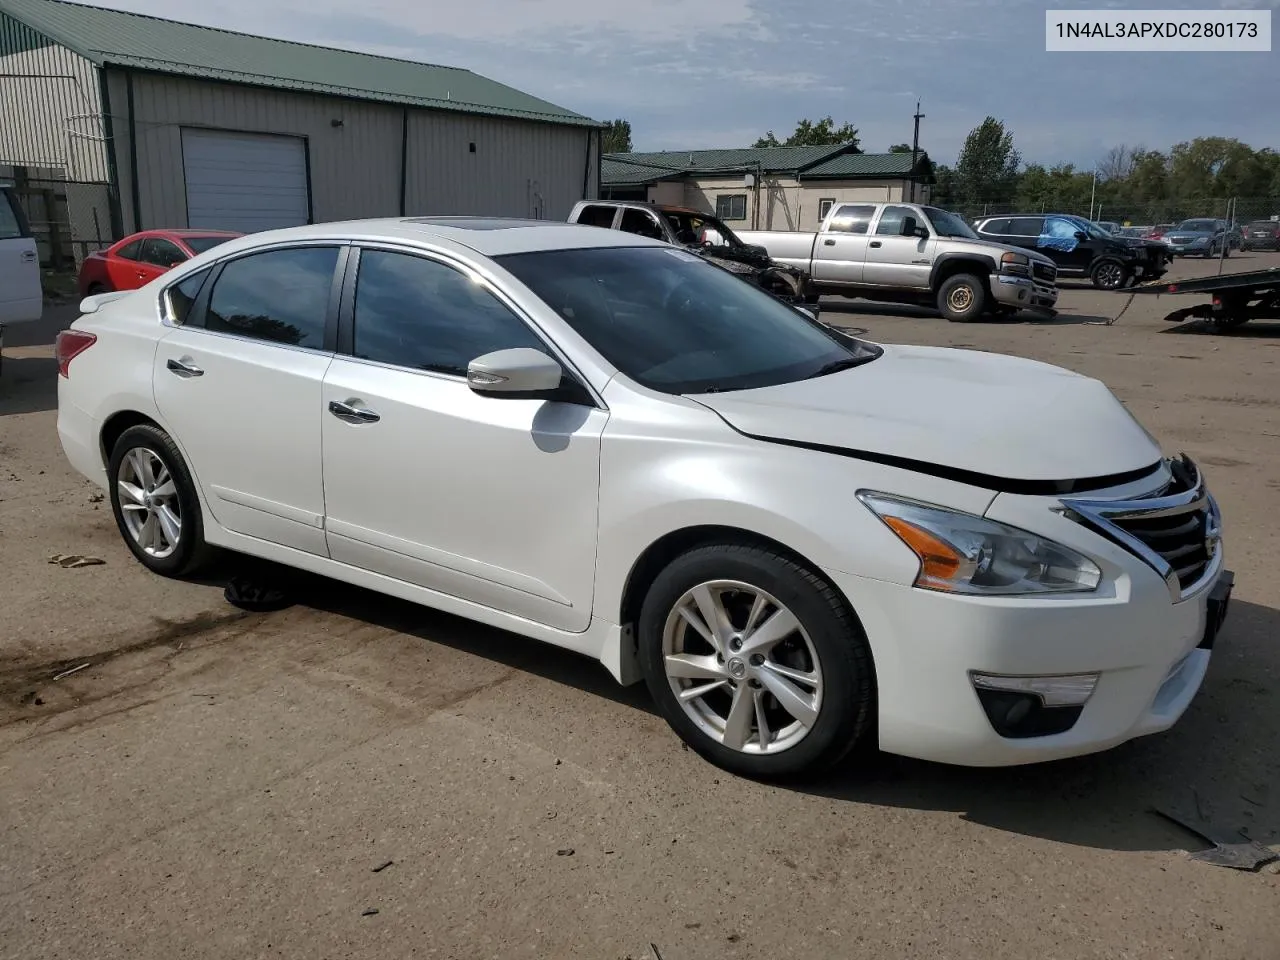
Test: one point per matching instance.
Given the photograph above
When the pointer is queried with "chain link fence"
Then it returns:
(69, 219)
(1136, 213)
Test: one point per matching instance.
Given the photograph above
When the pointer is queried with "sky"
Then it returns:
(699, 75)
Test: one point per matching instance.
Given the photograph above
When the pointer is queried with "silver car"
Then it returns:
(1199, 237)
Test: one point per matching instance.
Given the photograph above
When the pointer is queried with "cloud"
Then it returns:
(691, 75)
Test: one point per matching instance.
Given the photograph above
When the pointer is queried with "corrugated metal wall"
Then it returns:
(50, 106)
(517, 169)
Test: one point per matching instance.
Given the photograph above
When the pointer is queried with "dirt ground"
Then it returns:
(220, 784)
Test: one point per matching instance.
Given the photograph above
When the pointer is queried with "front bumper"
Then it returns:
(1024, 294)
(1150, 656)
(1188, 249)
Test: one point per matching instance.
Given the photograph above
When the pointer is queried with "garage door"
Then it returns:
(244, 181)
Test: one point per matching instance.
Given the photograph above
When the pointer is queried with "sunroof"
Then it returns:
(483, 223)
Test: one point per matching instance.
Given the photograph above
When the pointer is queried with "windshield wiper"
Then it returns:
(835, 366)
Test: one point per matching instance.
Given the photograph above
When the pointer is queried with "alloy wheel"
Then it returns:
(149, 502)
(1110, 275)
(742, 667)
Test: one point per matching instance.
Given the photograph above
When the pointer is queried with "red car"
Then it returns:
(138, 259)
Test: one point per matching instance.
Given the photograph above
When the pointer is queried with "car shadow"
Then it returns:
(1217, 760)
(28, 384)
(833, 314)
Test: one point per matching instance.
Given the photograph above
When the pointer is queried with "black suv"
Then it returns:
(1080, 248)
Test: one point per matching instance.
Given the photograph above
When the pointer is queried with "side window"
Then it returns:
(891, 219)
(640, 222)
(181, 297)
(281, 296)
(596, 216)
(731, 206)
(1026, 226)
(10, 225)
(130, 251)
(1060, 229)
(824, 207)
(998, 228)
(852, 219)
(414, 312)
(161, 253)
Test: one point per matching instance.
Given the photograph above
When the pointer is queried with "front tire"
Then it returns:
(756, 662)
(153, 498)
(962, 297)
(1109, 275)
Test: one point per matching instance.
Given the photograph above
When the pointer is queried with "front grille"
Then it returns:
(1176, 530)
(1044, 271)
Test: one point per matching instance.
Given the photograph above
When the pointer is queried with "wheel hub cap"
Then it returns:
(742, 667)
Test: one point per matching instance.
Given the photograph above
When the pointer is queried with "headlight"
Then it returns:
(962, 553)
(1015, 264)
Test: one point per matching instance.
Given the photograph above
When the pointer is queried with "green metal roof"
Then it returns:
(614, 169)
(111, 37)
(852, 166)
(769, 159)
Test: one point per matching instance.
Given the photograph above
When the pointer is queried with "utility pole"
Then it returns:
(915, 149)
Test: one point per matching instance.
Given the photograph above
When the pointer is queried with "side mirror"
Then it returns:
(922, 233)
(521, 371)
(1081, 235)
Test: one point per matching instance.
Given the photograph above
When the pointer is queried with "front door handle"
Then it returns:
(876, 243)
(28, 256)
(184, 368)
(828, 243)
(350, 413)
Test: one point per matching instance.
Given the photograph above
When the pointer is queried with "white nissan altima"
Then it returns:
(799, 540)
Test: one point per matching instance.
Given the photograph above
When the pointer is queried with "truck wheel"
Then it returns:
(962, 298)
(1109, 275)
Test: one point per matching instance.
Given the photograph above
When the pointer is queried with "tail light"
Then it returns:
(69, 345)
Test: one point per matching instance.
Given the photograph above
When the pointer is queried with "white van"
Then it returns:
(21, 298)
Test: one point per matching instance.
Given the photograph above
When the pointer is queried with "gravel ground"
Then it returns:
(220, 784)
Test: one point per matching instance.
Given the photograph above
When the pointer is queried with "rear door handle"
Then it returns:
(184, 368)
(28, 256)
(875, 243)
(350, 413)
(828, 243)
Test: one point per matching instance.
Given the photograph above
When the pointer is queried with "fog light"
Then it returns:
(1021, 707)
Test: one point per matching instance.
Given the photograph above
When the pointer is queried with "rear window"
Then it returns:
(201, 244)
(12, 223)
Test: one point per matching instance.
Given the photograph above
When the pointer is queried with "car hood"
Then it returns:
(993, 417)
(989, 248)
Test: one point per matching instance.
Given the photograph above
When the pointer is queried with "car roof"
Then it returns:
(489, 236)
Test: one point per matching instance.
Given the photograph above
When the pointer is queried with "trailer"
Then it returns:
(1234, 298)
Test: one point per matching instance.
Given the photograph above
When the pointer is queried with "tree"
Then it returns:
(900, 148)
(1119, 162)
(810, 134)
(943, 193)
(617, 137)
(987, 168)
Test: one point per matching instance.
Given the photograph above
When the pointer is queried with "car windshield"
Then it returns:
(947, 224)
(1196, 226)
(201, 244)
(693, 228)
(676, 324)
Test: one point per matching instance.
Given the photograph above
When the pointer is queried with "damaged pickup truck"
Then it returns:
(705, 235)
(905, 253)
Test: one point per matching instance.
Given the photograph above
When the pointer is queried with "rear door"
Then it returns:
(21, 299)
(125, 270)
(895, 260)
(840, 253)
(239, 386)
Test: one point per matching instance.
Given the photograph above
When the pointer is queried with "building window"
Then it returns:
(824, 207)
(731, 206)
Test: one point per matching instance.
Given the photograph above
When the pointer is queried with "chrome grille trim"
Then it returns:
(1122, 522)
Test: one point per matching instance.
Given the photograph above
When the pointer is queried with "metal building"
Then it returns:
(152, 123)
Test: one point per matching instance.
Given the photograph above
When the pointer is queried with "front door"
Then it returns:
(895, 260)
(839, 252)
(240, 385)
(488, 500)
(1067, 249)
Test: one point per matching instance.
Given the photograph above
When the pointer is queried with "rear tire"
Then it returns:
(154, 500)
(962, 297)
(811, 653)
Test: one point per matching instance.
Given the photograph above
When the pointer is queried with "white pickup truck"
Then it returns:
(21, 298)
(906, 253)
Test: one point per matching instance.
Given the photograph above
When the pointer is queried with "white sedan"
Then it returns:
(798, 539)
